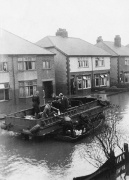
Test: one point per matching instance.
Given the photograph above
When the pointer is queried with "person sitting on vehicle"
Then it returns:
(48, 110)
(36, 103)
(64, 102)
(56, 102)
(68, 126)
(84, 122)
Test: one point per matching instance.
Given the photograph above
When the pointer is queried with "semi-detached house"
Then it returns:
(24, 68)
(79, 65)
(119, 73)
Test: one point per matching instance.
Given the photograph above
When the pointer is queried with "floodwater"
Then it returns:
(49, 159)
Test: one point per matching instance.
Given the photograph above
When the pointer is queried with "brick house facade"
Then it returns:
(24, 68)
(75, 59)
(119, 71)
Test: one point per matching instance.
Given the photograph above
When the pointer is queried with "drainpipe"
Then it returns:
(92, 73)
(14, 81)
(68, 75)
(118, 69)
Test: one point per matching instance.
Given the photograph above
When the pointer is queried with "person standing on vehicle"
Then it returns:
(64, 102)
(36, 103)
(43, 96)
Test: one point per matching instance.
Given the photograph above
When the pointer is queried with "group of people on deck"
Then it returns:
(59, 105)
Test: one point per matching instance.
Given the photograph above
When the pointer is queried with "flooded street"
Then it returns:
(50, 160)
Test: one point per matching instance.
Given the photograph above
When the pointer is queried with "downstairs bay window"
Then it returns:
(101, 80)
(84, 82)
(126, 77)
(4, 91)
(27, 88)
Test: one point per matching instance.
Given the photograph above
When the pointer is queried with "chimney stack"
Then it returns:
(117, 41)
(62, 32)
(99, 39)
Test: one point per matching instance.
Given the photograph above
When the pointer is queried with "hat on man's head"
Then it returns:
(61, 94)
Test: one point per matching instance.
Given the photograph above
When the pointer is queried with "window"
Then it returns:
(3, 66)
(126, 77)
(96, 80)
(79, 82)
(99, 62)
(26, 63)
(86, 82)
(101, 80)
(83, 62)
(27, 88)
(4, 91)
(126, 61)
(46, 64)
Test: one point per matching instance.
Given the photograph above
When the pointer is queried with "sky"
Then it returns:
(85, 19)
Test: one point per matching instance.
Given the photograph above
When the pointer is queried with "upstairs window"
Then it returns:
(26, 63)
(99, 62)
(46, 64)
(4, 91)
(3, 66)
(127, 62)
(27, 88)
(83, 62)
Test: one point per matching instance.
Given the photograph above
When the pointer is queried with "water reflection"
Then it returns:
(50, 160)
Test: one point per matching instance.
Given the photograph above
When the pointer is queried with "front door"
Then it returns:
(48, 89)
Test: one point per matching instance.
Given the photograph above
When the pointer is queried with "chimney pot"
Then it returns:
(117, 41)
(99, 39)
(62, 32)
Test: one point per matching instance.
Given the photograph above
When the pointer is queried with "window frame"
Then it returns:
(79, 79)
(5, 90)
(99, 62)
(2, 66)
(83, 63)
(83, 80)
(102, 80)
(46, 64)
(126, 75)
(86, 81)
(127, 62)
(25, 86)
(24, 63)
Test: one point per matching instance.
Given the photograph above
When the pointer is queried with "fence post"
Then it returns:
(126, 158)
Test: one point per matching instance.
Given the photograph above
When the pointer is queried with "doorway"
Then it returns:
(48, 88)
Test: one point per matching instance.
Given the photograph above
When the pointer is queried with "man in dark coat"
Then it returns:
(36, 103)
(64, 102)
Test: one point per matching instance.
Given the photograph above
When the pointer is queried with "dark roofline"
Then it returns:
(90, 55)
(29, 54)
